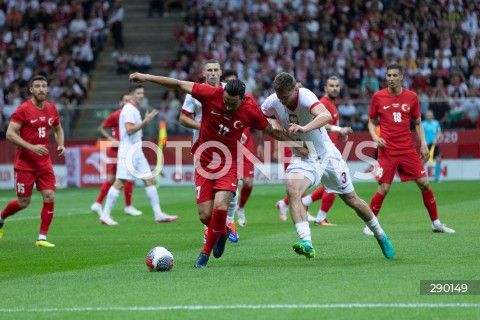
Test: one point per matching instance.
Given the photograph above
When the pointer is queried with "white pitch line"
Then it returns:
(247, 306)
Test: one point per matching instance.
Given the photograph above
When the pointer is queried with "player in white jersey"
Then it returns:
(191, 116)
(131, 160)
(298, 111)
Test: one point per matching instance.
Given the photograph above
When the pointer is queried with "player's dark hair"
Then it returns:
(235, 87)
(134, 87)
(284, 82)
(394, 67)
(229, 73)
(36, 78)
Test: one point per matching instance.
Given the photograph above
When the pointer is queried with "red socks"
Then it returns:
(376, 203)
(244, 195)
(216, 229)
(128, 190)
(327, 201)
(47, 216)
(317, 194)
(103, 191)
(11, 208)
(431, 204)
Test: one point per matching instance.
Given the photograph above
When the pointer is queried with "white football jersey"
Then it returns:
(129, 114)
(194, 107)
(302, 116)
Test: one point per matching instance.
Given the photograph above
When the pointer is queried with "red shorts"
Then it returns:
(24, 180)
(409, 167)
(205, 187)
(112, 169)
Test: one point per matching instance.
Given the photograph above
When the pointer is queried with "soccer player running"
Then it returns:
(225, 114)
(433, 133)
(332, 90)
(191, 116)
(111, 122)
(29, 129)
(395, 107)
(131, 159)
(294, 108)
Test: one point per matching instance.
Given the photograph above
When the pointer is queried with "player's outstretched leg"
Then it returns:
(219, 247)
(202, 261)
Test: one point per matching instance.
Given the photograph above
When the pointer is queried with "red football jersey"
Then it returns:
(335, 118)
(220, 126)
(112, 122)
(36, 124)
(395, 113)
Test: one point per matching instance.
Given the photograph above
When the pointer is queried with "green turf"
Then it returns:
(98, 272)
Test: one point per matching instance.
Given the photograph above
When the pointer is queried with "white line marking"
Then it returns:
(258, 306)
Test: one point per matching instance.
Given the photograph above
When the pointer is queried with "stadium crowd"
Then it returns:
(60, 39)
(437, 43)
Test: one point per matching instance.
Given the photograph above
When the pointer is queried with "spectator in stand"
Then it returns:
(471, 110)
(348, 112)
(370, 82)
(439, 105)
(116, 24)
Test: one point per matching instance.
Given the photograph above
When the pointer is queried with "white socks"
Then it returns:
(152, 195)
(321, 215)
(307, 200)
(232, 208)
(375, 227)
(112, 197)
(303, 231)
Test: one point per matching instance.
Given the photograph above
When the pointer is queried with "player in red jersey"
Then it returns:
(111, 122)
(225, 114)
(332, 90)
(395, 107)
(29, 129)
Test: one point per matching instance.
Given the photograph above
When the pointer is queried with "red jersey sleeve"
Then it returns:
(373, 111)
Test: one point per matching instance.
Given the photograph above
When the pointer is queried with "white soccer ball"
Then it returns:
(159, 259)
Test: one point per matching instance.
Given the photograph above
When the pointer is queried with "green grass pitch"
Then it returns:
(99, 272)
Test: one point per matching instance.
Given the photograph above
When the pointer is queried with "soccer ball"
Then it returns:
(159, 259)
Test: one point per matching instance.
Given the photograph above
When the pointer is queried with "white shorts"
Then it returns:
(134, 167)
(331, 171)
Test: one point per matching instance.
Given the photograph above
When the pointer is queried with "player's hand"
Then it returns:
(149, 116)
(39, 149)
(294, 128)
(303, 152)
(61, 151)
(137, 77)
(424, 153)
(260, 152)
(380, 143)
(345, 131)
(276, 126)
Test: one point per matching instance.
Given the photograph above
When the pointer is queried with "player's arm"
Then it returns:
(103, 131)
(149, 116)
(424, 152)
(60, 139)
(260, 152)
(171, 83)
(281, 136)
(13, 135)
(371, 129)
(439, 136)
(188, 122)
(342, 131)
(321, 118)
